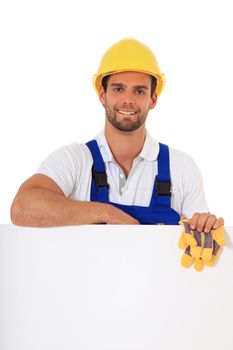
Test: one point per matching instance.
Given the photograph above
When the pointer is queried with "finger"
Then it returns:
(183, 219)
(194, 220)
(209, 223)
(202, 219)
(218, 223)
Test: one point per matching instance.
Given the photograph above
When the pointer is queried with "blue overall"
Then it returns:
(159, 211)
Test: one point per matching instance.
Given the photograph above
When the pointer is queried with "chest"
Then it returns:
(137, 187)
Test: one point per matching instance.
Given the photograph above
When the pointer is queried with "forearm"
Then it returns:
(44, 208)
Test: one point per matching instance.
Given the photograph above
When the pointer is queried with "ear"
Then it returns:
(102, 95)
(153, 101)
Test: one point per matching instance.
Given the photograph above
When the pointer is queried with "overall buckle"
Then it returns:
(100, 179)
(163, 188)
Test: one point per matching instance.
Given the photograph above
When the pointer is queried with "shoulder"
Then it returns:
(179, 158)
(183, 167)
(185, 171)
(73, 158)
(68, 166)
(189, 195)
(71, 153)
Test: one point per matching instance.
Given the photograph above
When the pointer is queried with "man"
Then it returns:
(123, 176)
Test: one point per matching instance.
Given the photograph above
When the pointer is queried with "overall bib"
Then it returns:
(159, 210)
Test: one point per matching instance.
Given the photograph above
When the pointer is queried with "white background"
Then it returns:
(50, 49)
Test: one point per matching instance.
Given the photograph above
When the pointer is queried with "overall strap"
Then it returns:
(161, 195)
(99, 184)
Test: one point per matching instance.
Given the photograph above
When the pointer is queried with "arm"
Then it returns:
(41, 203)
(195, 206)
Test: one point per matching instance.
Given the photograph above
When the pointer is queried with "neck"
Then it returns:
(125, 146)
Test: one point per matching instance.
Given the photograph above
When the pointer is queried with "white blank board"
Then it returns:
(107, 287)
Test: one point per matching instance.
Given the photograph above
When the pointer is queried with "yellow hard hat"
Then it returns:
(129, 55)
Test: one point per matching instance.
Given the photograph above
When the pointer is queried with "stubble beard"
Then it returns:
(125, 124)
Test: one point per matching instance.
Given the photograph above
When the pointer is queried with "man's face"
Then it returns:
(127, 100)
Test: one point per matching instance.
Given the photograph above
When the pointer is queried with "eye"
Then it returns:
(117, 89)
(140, 92)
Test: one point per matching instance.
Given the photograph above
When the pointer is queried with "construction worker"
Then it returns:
(123, 176)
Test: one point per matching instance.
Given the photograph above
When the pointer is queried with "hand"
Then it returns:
(205, 222)
(116, 216)
(200, 248)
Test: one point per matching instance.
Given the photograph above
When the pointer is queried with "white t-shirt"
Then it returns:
(70, 167)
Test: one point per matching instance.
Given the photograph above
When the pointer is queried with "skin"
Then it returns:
(128, 92)
(205, 222)
(41, 203)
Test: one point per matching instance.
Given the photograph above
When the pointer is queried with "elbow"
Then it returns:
(16, 213)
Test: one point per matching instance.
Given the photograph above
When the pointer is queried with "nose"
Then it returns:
(127, 104)
(128, 100)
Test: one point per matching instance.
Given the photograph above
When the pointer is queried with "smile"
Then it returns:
(126, 113)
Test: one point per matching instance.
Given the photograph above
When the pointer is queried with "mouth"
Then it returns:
(126, 112)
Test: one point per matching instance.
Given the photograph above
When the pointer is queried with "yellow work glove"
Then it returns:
(218, 243)
(200, 248)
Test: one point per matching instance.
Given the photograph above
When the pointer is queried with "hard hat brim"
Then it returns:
(97, 79)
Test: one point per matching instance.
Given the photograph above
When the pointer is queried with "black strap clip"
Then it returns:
(100, 179)
(163, 188)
